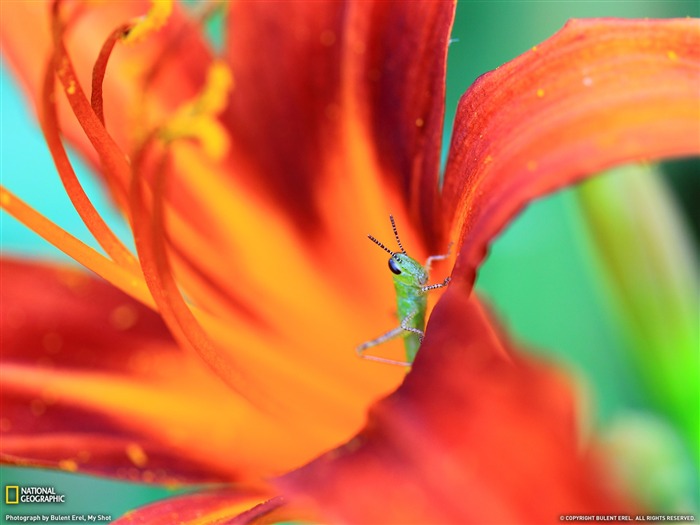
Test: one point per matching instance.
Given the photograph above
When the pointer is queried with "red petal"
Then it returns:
(311, 74)
(598, 93)
(472, 436)
(214, 507)
(93, 382)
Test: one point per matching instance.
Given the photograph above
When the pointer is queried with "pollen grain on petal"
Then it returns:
(69, 465)
(123, 317)
(136, 454)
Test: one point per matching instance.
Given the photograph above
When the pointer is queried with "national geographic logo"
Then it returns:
(14, 494)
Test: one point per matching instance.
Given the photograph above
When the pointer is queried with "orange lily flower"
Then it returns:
(222, 351)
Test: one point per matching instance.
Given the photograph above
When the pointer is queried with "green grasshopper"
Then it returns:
(410, 283)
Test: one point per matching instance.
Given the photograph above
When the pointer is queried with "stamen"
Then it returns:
(114, 161)
(150, 236)
(91, 218)
(168, 52)
(124, 279)
(132, 284)
(100, 68)
(152, 21)
(198, 118)
(146, 202)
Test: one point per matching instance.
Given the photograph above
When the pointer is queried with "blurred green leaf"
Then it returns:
(651, 274)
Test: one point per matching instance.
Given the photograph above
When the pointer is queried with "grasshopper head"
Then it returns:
(407, 270)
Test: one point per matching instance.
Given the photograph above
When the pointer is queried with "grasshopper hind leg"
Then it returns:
(391, 334)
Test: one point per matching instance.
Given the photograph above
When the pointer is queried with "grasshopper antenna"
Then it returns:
(396, 234)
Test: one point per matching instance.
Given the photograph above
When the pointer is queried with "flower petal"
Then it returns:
(87, 32)
(213, 507)
(474, 435)
(598, 93)
(92, 381)
(320, 84)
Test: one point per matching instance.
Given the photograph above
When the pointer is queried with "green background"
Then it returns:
(539, 275)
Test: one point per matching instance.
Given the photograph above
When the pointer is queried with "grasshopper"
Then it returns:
(410, 283)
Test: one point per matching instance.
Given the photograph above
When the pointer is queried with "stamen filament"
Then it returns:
(126, 280)
(100, 68)
(113, 159)
(149, 233)
(91, 218)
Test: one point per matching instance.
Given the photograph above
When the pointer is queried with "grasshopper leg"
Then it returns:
(437, 285)
(391, 334)
(405, 326)
(441, 257)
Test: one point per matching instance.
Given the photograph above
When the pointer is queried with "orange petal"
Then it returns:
(598, 93)
(474, 435)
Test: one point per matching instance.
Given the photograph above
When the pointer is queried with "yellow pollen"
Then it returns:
(5, 197)
(672, 56)
(68, 465)
(488, 159)
(152, 21)
(197, 118)
(420, 122)
(71, 88)
(218, 86)
(540, 93)
(534, 48)
(136, 454)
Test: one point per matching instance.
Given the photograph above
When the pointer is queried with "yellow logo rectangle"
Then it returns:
(10, 500)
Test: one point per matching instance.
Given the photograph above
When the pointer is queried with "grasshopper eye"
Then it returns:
(393, 267)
